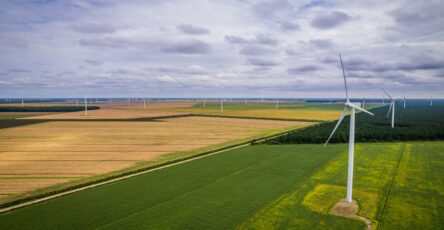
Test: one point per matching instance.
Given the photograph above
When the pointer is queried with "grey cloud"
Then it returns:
(94, 62)
(269, 8)
(191, 70)
(19, 71)
(236, 40)
(253, 50)
(117, 43)
(330, 20)
(418, 19)
(359, 64)
(93, 28)
(188, 47)
(190, 29)
(303, 69)
(261, 39)
(322, 43)
(13, 41)
(289, 26)
(261, 62)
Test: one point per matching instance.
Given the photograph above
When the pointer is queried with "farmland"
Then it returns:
(264, 187)
(46, 154)
(297, 111)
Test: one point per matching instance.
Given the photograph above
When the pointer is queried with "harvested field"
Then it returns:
(111, 114)
(301, 114)
(72, 148)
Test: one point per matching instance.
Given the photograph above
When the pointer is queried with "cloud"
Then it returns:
(254, 50)
(289, 26)
(418, 20)
(93, 28)
(261, 62)
(330, 20)
(261, 39)
(270, 7)
(190, 29)
(94, 62)
(187, 47)
(322, 43)
(303, 69)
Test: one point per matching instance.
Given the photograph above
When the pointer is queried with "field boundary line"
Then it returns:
(129, 174)
(390, 187)
(258, 118)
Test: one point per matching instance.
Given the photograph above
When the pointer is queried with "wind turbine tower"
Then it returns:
(351, 146)
(23, 104)
(221, 105)
(404, 100)
(392, 108)
(363, 102)
(86, 106)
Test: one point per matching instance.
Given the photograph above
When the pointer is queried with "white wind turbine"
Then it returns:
(221, 105)
(86, 106)
(351, 145)
(404, 100)
(391, 108)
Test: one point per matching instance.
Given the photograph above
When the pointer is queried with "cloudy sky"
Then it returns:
(210, 48)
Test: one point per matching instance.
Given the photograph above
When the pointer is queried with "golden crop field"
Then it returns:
(304, 114)
(50, 153)
(110, 114)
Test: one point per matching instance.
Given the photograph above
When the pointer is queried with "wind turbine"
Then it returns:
(431, 101)
(86, 106)
(351, 144)
(277, 103)
(363, 102)
(23, 103)
(392, 108)
(204, 103)
(404, 100)
(221, 105)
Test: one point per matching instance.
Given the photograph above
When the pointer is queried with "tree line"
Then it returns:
(418, 121)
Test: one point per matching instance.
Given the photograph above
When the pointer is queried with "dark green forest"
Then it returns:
(418, 121)
(45, 108)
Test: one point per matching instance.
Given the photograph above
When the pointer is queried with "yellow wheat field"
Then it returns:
(46, 154)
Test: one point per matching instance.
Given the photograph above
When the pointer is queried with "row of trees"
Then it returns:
(45, 108)
(417, 121)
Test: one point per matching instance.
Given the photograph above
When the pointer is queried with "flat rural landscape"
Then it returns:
(222, 115)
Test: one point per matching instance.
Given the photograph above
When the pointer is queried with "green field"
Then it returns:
(261, 187)
(293, 111)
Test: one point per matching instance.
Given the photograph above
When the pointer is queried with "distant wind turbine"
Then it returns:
(431, 101)
(351, 145)
(23, 103)
(277, 103)
(221, 105)
(86, 106)
(404, 100)
(363, 102)
(391, 108)
(204, 103)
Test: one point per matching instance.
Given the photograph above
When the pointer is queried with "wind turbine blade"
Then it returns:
(390, 108)
(343, 74)
(387, 94)
(360, 109)
(337, 125)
